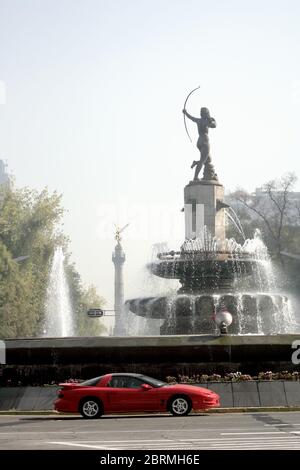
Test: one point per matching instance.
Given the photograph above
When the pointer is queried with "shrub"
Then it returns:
(234, 377)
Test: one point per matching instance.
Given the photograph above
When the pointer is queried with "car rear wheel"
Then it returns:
(90, 408)
(180, 406)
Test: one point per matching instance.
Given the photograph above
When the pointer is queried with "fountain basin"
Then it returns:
(209, 270)
(252, 313)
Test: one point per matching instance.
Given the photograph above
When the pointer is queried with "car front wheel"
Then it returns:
(180, 406)
(90, 408)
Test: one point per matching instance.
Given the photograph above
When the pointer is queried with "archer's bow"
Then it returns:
(184, 114)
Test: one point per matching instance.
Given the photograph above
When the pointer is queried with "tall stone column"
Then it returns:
(118, 258)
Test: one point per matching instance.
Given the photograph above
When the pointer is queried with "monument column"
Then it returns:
(118, 258)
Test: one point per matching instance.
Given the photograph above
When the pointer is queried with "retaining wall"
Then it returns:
(232, 394)
(39, 361)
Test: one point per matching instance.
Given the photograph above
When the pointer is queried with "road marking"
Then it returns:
(248, 433)
(225, 440)
(138, 431)
(239, 439)
(283, 444)
(254, 441)
(277, 425)
(258, 447)
(78, 445)
(134, 440)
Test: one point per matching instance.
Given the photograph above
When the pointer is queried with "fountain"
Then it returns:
(233, 278)
(216, 274)
(226, 316)
(59, 315)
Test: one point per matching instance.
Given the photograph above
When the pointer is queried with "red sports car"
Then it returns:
(125, 393)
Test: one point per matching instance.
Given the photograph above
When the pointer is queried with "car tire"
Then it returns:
(180, 406)
(91, 408)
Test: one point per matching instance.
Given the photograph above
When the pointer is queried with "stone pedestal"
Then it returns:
(203, 207)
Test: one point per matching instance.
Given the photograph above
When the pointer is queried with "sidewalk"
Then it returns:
(211, 411)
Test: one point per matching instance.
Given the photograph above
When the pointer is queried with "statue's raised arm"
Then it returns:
(192, 118)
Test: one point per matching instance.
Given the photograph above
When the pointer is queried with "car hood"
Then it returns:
(191, 389)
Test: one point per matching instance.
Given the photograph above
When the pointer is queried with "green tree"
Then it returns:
(29, 226)
(28, 221)
(16, 313)
(82, 300)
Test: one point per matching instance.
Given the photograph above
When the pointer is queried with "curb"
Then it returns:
(211, 411)
(254, 409)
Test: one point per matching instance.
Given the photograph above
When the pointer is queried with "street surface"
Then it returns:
(279, 430)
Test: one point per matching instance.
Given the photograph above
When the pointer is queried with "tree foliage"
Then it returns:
(275, 210)
(82, 300)
(272, 209)
(29, 222)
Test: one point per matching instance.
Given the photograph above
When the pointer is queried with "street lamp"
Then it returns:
(223, 319)
(98, 312)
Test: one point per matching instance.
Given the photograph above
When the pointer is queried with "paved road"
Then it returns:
(199, 431)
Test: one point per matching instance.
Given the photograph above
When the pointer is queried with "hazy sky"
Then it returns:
(93, 109)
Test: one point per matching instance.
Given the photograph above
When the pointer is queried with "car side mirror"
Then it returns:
(146, 387)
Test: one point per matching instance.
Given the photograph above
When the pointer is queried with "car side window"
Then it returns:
(133, 382)
(124, 382)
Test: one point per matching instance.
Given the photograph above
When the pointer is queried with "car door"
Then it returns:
(126, 394)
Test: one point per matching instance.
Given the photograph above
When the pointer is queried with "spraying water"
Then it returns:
(232, 215)
(214, 274)
(59, 315)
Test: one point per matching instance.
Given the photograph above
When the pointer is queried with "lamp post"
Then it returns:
(223, 319)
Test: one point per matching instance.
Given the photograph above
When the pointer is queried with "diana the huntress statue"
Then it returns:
(204, 122)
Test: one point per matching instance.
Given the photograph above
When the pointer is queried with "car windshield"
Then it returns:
(91, 382)
(152, 382)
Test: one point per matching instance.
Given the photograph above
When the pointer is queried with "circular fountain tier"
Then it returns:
(202, 271)
(252, 313)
